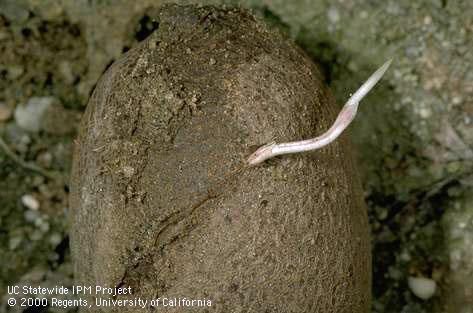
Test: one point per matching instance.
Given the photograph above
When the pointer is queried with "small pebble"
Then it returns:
(427, 20)
(45, 159)
(31, 216)
(212, 61)
(381, 213)
(15, 71)
(14, 242)
(30, 202)
(5, 112)
(364, 14)
(425, 113)
(55, 239)
(333, 15)
(23, 143)
(65, 68)
(44, 226)
(36, 235)
(422, 287)
(195, 98)
(30, 115)
(394, 273)
(128, 171)
(405, 256)
(457, 100)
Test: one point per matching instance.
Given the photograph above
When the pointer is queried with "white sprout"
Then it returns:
(344, 118)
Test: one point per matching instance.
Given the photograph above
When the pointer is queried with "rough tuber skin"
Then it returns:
(164, 202)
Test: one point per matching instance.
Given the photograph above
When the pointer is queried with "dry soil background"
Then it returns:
(413, 137)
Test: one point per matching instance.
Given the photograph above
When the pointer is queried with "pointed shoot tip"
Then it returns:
(369, 84)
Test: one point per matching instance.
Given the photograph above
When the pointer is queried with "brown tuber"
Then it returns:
(164, 202)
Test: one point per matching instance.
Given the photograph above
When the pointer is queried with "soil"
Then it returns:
(412, 136)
